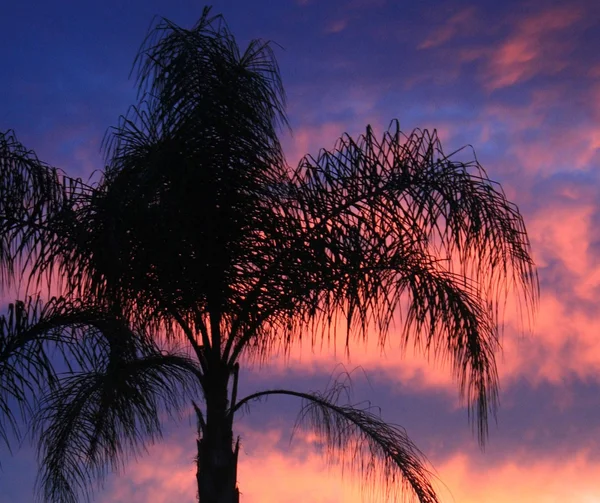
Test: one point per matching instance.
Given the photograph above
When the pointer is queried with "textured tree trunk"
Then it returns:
(217, 456)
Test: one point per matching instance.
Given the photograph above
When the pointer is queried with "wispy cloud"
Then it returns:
(461, 23)
(538, 44)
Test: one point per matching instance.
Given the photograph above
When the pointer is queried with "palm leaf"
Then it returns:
(40, 214)
(30, 334)
(29, 194)
(374, 229)
(111, 409)
(23, 364)
(357, 438)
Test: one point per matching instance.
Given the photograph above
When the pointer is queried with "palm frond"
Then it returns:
(37, 338)
(23, 364)
(382, 228)
(30, 191)
(30, 332)
(39, 219)
(94, 419)
(403, 193)
(356, 438)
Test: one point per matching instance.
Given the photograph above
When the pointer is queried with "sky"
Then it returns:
(518, 80)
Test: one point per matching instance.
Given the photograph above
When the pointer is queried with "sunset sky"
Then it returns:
(517, 80)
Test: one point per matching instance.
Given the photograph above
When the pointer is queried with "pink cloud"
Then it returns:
(461, 22)
(540, 481)
(310, 139)
(566, 343)
(336, 26)
(164, 475)
(537, 142)
(268, 474)
(535, 46)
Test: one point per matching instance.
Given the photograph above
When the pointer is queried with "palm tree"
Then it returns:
(198, 250)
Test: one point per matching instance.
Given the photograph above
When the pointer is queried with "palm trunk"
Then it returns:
(217, 457)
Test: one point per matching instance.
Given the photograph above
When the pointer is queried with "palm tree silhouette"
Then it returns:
(199, 250)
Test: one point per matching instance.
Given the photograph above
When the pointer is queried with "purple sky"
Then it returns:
(520, 81)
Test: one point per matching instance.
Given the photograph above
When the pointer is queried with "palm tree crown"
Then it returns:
(199, 249)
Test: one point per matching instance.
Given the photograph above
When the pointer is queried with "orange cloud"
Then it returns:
(268, 474)
(540, 481)
(164, 475)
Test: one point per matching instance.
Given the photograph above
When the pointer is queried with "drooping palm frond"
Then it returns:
(107, 411)
(377, 227)
(38, 338)
(107, 402)
(356, 438)
(30, 193)
(30, 333)
(40, 217)
(23, 364)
